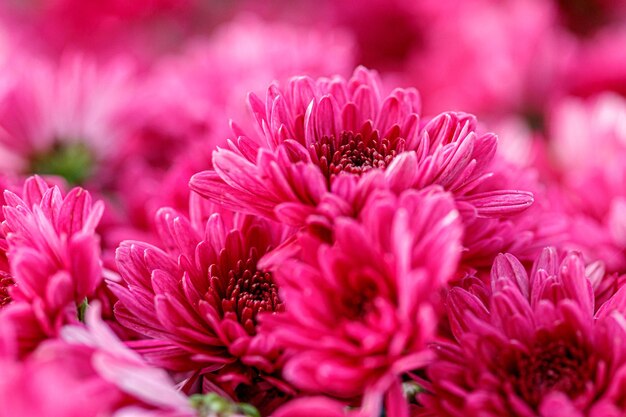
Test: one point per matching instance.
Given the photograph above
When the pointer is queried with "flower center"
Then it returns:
(262, 394)
(245, 291)
(360, 301)
(556, 365)
(5, 282)
(354, 153)
(72, 161)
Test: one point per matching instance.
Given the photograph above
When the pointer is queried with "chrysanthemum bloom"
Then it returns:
(588, 149)
(531, 346)
(358, 312)
(197, 299)
(53, 254)
(68, 119)
(62, 119)
(87, 372)
(320, 138)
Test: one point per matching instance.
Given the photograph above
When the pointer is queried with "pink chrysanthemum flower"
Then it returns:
(53, 254)
(63, 118)
(88, 372)
(531, 345)
(358, 312)
(197, 300)
(320, 138)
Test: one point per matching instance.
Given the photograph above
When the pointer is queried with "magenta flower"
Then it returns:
(63, 118)
(53, 254)
(358, 313)
(532, 346)
(57, 381)
(89, 372)
(52, 242)
(322, 139)
(197, 300)
(318, 131)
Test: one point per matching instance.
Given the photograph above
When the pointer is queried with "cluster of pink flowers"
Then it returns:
(313, 209)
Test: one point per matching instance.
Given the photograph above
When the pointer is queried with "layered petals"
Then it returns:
(358, 312)
(317, 136)
(54, 257)
(197, 299)
(535, 345)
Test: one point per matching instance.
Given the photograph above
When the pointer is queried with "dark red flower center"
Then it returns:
(355, 153)
(245, 291)
(360, 302)
(265, 396)
(5, 282)
(557, 365)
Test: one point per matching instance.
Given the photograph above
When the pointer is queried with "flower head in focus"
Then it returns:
(324, 142)
(53, 254)
(197, 300)
(358, 313)
(531, 345)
